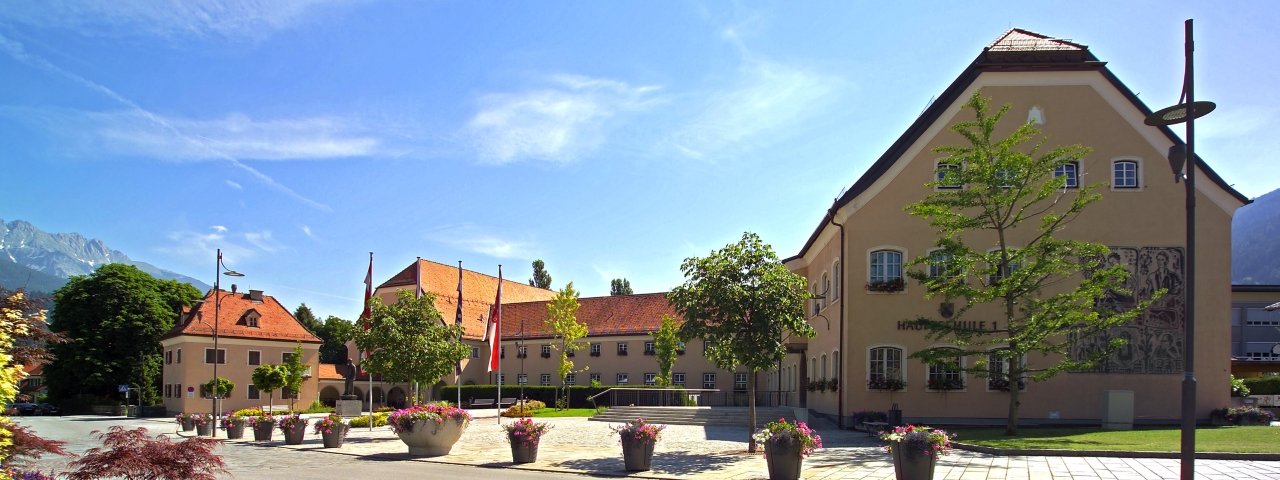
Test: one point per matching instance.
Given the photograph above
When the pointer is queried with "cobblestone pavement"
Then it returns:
(575, 445)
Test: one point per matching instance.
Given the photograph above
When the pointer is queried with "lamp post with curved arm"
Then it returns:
(217, 301)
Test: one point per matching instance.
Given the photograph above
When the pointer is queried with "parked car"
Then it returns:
(24, 408)
(48, 409)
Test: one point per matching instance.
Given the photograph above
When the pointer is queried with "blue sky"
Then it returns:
(611, 139)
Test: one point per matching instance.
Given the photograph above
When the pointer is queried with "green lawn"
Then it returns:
(1167, 439)
(572, 412)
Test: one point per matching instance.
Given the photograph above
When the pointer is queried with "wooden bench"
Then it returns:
(875, 428)
(483, 402)
(509, 401)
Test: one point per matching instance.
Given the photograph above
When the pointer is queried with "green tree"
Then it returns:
(745, 302)
(293, 374)
(335, 332)
(541, 278)
(1011, 195)
(620, 286)
(307, 318)
(222, 384)
(268, 378)
(562, 319)
(408, 342)
(113, 320)
(666, 343)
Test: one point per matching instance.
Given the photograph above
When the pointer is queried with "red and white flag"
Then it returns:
(493, 334)
(368, 293)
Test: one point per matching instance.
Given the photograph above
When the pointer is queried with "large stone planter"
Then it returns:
(783, 458)
(427, 438)
(335, 438)
(637, 455)
(911, 464)
(293, 435)
(235, 430)
(524, 453)
(262, 431)
(203, 429)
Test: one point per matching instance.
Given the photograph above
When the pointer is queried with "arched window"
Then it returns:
(836, 275)
(1070, 171)
(884, 367)
(825, 286)
(824, 366)
(835, 364)
(940, 264)
(947, 176)
(1124, 174)
(886, 271)
(813, 367)
(945, 374)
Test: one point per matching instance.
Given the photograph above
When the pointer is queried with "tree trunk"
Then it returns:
(1015, 375)
(751, 413)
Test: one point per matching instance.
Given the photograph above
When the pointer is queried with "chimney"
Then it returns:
(255, 296)
(233, 288)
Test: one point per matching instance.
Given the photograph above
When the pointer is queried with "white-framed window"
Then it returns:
(650, 378)
(825, 285)
(835, 364)
(817, 303)
(886, 271)
(945, 375)
(1124, 174)
(824, 367)
(544, 379)
(286, 357)
(813, 368)
(706, 345)
(998, 372)
(595, 349)
(1004, 177)
(255, 357)
(944, 170)
(475, 352)
(546, 351)
(502, 379)
(740, 382)
(623, 379)
(999, 273)
(571, 379)
(677, 379)
(709, 380)
(593, 377)
(522, 379)
(253, 393)
(835, 277)
(168, 358)
(884, 366)
(940, 264)
(1069, 171)
(622, 348)
(222, 356)
(650, 348)
(522, 351)
(178, 358)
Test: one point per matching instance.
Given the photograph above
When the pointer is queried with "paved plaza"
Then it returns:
(579, 446)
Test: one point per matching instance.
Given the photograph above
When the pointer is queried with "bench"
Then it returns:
(875, 428)
(482, 402)
(509, 401)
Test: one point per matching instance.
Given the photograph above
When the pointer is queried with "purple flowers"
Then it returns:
(639, 431)
(403, 419)
(926, 440)
(782, 432)
(525, 431)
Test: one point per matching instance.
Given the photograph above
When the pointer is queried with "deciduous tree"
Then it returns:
(335, 332)
(131, 454)
(620, 286)
(408, 342)
(666, 344)
(562, 319)
(267, 379)
(293, 374)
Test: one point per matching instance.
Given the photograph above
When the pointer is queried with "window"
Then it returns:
(286, 357)
(825, 285)
(649, 349)
(222, 356)
(502, 352)
(287, 393)
(998, 372)
(945, 375)
(1071, 172)
(999, 272)
(168, 358)
(940, 264)
(179, 358)
(824, 367)
(948, 176)
(253, 393)
(475, 352)
(571, 379)
(251, 319)
(885, 368)
(522, 379)
(817, 303)
(177, 390)
(594, 378)
(622, 348)
(835, 275)
(544, 379)
(813, 367)
(740, 382)
(502, 379)
(650, 379)
(522, 351)
(255, 357)
(168, 390)
(677, 379)
(1004, 177)
(706, 345)
(886, 271)
(622, 379)
(1124, 174)
(835, 364)
(709, 380)
(546, 351)
(595, 349)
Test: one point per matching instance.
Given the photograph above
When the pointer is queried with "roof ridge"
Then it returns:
(504, 279)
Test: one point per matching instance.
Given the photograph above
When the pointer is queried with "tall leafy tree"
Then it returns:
(408, 342)
(620, 286)
(335, 332)
(1032, 280)
(666, 344)
(113, 320)
(562, 319)
(745, 302)
(307, 318)
(293, 370)
(268, 378)
(541, 278)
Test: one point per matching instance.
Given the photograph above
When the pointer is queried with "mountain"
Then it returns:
(40, 261)
(1255, 242)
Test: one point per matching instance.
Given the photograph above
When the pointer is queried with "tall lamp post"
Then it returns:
(217, 303)
(1187, 112)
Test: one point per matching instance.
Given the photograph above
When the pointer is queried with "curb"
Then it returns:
(1025, 452)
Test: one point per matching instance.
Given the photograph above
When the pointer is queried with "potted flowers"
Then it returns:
(203, 422)
(294, 428)
(524, 435)
(915, 450)
(262, 425)
(429, 430)
(785, 446)
(233, 423)
(638, 439)
(186, 421)
(333, 430)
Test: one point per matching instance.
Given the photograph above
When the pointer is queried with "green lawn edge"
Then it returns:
(1228, 439)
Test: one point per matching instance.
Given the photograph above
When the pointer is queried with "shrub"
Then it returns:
(379, 420)
(1238, 387)
(1249, 416)
(318, 407)
(248, 412)
(1263, 385)
(132, 454)
(384, 409)
(547, 394)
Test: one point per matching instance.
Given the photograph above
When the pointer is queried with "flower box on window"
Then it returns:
(892, 384)
(816, 385)
(622, 353)
(1002, 384)
(946, 384)
(833, 385)
(595, 354)
(893, 285)
(650, 352)
(522, 355)
(546, 354)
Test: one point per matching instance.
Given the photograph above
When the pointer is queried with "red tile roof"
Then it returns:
(478, 292)
(328, 371)
(274, 321)
(613, 315)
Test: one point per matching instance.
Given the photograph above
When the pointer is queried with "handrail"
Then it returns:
(661, 389)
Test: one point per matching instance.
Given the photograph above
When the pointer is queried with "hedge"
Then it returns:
(1263, 385)
(578, 394)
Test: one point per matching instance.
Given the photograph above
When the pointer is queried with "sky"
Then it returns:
(610, 139)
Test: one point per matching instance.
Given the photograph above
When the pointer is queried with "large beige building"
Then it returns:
(867, 238)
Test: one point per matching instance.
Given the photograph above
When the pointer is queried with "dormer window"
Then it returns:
(250, 318)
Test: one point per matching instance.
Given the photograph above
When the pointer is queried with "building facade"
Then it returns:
(857, 256)
(1255, 330)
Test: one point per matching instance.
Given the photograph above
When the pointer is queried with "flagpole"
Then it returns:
(368, 292)
(457, 377)
(498, 332)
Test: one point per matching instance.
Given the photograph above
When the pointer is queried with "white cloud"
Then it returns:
(263, 241)
(558, 122)
(196, 247)
(218, 229)
(472, 238)
(306, 230)
(173, 18)
(234, 185)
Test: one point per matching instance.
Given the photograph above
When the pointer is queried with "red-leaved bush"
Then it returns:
(131, 454)
(28, 446)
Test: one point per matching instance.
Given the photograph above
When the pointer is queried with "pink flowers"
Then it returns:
(783, 433)
(329, 424)
(926, 440)
(638, 430)
(403, 419)
(525, 431)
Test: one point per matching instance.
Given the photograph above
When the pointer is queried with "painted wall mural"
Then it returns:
(1155, 338)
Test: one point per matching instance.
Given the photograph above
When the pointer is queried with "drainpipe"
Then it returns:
(831, 216)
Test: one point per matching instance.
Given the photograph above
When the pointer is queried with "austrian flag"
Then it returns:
(493, 332)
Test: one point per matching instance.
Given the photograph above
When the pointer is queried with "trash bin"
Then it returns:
(895, 416)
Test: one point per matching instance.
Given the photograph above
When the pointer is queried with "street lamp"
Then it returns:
(1187, 112)
(217, 302)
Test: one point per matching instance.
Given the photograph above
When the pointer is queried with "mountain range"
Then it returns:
(42, 262)
(1255, 242)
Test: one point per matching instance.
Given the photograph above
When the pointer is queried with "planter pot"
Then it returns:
(524, 453)
(911, 464)
(334, 439)
(203, 429)
(187, 425)
(294, 435)
(784, 459)
(262, 431)
(235, 430)
(430, 439)
(637, 454)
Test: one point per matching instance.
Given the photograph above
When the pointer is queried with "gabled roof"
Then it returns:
(1015, 50)
(612, 315)
(275, 323)
(478, 291)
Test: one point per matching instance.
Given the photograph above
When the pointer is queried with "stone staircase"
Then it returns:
(694, 415)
